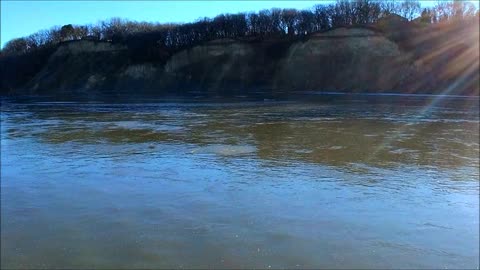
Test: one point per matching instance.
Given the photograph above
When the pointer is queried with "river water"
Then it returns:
(356, 182)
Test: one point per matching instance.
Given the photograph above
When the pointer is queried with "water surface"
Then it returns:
(358, 182)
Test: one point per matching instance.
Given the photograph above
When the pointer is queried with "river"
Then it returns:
(337, 182)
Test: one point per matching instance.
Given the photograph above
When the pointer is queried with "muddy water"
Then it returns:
(389, 182)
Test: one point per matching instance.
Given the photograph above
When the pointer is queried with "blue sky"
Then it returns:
(22, 18)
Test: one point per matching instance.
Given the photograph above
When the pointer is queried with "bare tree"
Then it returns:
(289, 21)
(266, 23)
(16, 46)
(67, 32)
(410, 9)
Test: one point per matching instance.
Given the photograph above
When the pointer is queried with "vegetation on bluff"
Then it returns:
(436, 46)
(277, 23)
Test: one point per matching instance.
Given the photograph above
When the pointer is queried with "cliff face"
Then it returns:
(344, 59)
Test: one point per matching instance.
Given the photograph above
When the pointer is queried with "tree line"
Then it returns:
(279, 23)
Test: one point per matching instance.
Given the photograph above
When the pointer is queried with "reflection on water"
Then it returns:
(372, 182)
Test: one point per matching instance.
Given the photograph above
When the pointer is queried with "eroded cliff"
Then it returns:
(343, 59)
